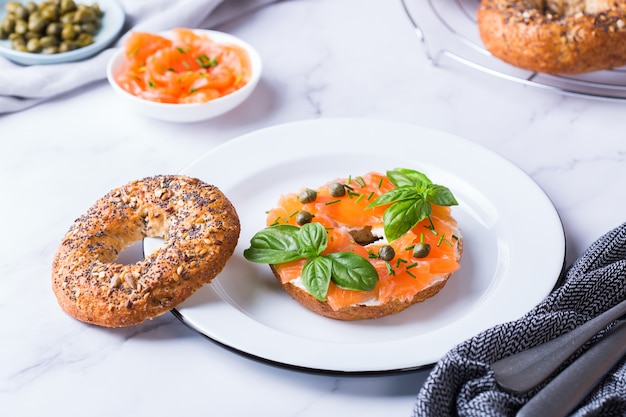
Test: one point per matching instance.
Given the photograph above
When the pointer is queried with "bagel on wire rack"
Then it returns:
(555, 36)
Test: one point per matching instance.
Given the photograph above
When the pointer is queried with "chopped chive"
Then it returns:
(186, 64)
(349, 187)
(180, 50)
(411, 274)
(390, 271)
(360, 182)
(349, 179)
(413, 265)
(370, 196)
(332, 202)
(192, 90)
(371, 254)
(400, 261)
(440, 240)
(151, 84)
(455, 237)
(410, 247)
(294, 213)
(353, 194)
(360, 197)
(380, 182)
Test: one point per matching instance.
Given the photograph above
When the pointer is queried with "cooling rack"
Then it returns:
(448, 32)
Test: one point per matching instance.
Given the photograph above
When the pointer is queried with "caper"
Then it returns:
(68, 33)
(54, 29)
(304, 217)
(83, 15)
(307, 196)
(67, 6)
(33, 45)
(50, 13)
(48, 41)
(18, 42)
(31, 7)
(12, 6)
(89, 27)
(49, 50)
(21, 27)
(67, 46)
(386, 253)
(84, 39)
(37, 23)
(8, 25)
(421, 250)
(21, 12)
(337, 189)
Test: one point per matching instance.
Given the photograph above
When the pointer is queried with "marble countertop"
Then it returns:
(323, 59)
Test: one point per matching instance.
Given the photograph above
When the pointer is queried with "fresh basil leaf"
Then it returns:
(440, 195)
(274, 245)
(352, 272)
(312, 239)
(402, 177)
(403, 216)
(397, 194)
(316, 276)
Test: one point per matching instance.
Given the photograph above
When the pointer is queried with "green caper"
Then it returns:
(50, 13)
(18, 42)
(304, 217)
(54, 29)
(386, 253)
(337, 189)
(49, 50)
(8, 25)
(37, 23)
(67, 6)
(67, 46)
(68, 33)
(84, 39)
(31, 7)
(421, 250)
(48, 41)
(21, 27)
(12, 6)
(21, 12)
(33, 45)
(307, 196)
(83, 15)
(89, 27)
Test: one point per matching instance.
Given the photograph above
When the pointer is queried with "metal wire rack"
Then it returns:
(448, 30)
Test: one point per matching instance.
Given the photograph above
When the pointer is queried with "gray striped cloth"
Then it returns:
(462, 384)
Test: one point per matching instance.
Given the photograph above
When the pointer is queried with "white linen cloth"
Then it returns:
(22, 87)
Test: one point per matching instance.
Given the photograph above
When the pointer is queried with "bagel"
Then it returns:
(555, 36)
(355, 225)
(200, 228)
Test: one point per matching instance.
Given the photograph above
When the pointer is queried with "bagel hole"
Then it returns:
(132, 254)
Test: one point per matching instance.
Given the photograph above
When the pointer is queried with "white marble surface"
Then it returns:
(323, 58)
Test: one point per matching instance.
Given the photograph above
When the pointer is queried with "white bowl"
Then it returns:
(191, 112)
(112, 24)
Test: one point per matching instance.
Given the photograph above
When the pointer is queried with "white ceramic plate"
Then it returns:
(513, 252)
(112, 23)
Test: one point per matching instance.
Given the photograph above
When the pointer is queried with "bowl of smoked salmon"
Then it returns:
(184, 75)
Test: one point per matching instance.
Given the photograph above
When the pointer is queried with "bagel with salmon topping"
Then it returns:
(362, 247)
(555, 36)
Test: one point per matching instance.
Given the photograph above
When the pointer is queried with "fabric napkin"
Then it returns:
(462, 384)
(22, 87)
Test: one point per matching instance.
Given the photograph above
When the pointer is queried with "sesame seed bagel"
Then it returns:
(555, 36)
(200, 228)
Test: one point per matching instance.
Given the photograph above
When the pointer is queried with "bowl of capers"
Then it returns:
(57, 31)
